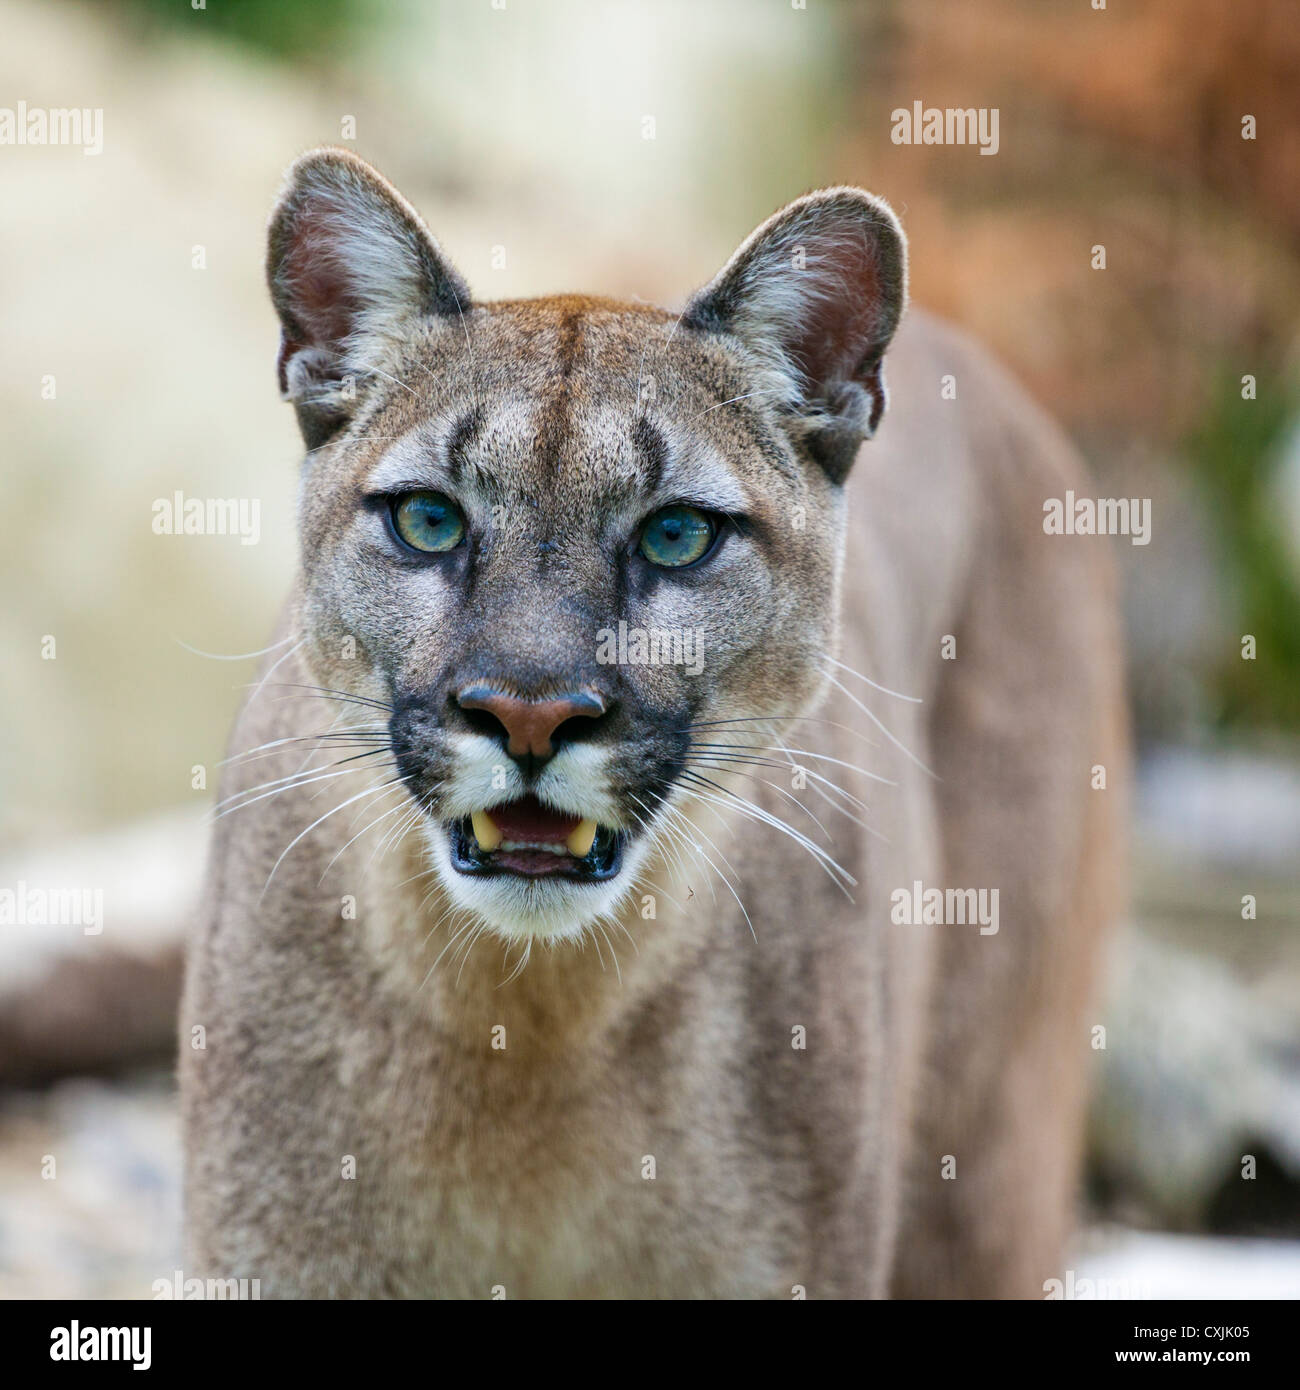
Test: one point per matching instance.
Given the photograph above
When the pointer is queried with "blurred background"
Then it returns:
(626, 148)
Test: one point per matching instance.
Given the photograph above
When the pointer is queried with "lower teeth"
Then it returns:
(600, 846)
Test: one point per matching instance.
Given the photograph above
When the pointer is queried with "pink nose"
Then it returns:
(530, 724)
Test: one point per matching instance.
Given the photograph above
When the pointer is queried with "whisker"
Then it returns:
(700, 831)
(763, 391)
(473, 941)
(357, 442)
(747, 808)
(370, 825)
(884, 689)
(524, 956)
(469, 347)
(274, 667)
(799, 752)
(378, 371)
(778, 718)
(685, 829)
(721, 759)
(340, 738)
(598, 925)
(373, 791)
(615, 922)
(333, 728)
(718, 871)
(826, 867)
(589, 935)
(455, 930)
(663, 847)
(238, 656)
(344, 695)
(679, 841)
(283, 784)
(820, 782)
(716, 760)
(897, 744)
(404, 826)
(717, 763)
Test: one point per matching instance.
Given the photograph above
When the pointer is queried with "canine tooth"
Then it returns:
(581, 838)
(485, 831)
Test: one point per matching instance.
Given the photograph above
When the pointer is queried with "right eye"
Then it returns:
(677, 536)
(428, 521)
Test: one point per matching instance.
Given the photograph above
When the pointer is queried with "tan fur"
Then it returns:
(332, 1033)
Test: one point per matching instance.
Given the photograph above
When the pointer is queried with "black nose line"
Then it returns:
(587, 702)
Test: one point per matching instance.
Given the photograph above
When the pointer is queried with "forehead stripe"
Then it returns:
(461, 437)
(553, 426)
(654, 450)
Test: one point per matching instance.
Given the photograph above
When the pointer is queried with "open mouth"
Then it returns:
(535, 841)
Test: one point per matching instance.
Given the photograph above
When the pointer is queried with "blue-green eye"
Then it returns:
(428, 521)
(677, 536)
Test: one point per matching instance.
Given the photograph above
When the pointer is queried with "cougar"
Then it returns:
(669, 846)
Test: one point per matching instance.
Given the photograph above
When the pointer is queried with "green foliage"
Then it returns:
(278, 28)
(1233, 453)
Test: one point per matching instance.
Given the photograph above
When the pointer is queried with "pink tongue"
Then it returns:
(528, 819)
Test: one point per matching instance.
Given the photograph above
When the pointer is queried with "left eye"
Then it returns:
(428, 521)
(677, 536)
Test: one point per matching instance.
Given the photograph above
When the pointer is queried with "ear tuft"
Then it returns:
(815, 294)
(351, 267)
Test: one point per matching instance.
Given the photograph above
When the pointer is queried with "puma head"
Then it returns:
(568, 543)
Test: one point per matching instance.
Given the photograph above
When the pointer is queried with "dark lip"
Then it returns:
(601, 863)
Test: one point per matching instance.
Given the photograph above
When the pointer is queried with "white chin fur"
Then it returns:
(524, 909)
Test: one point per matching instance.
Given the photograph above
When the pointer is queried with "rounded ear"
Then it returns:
(351, 267)
(815, 294)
